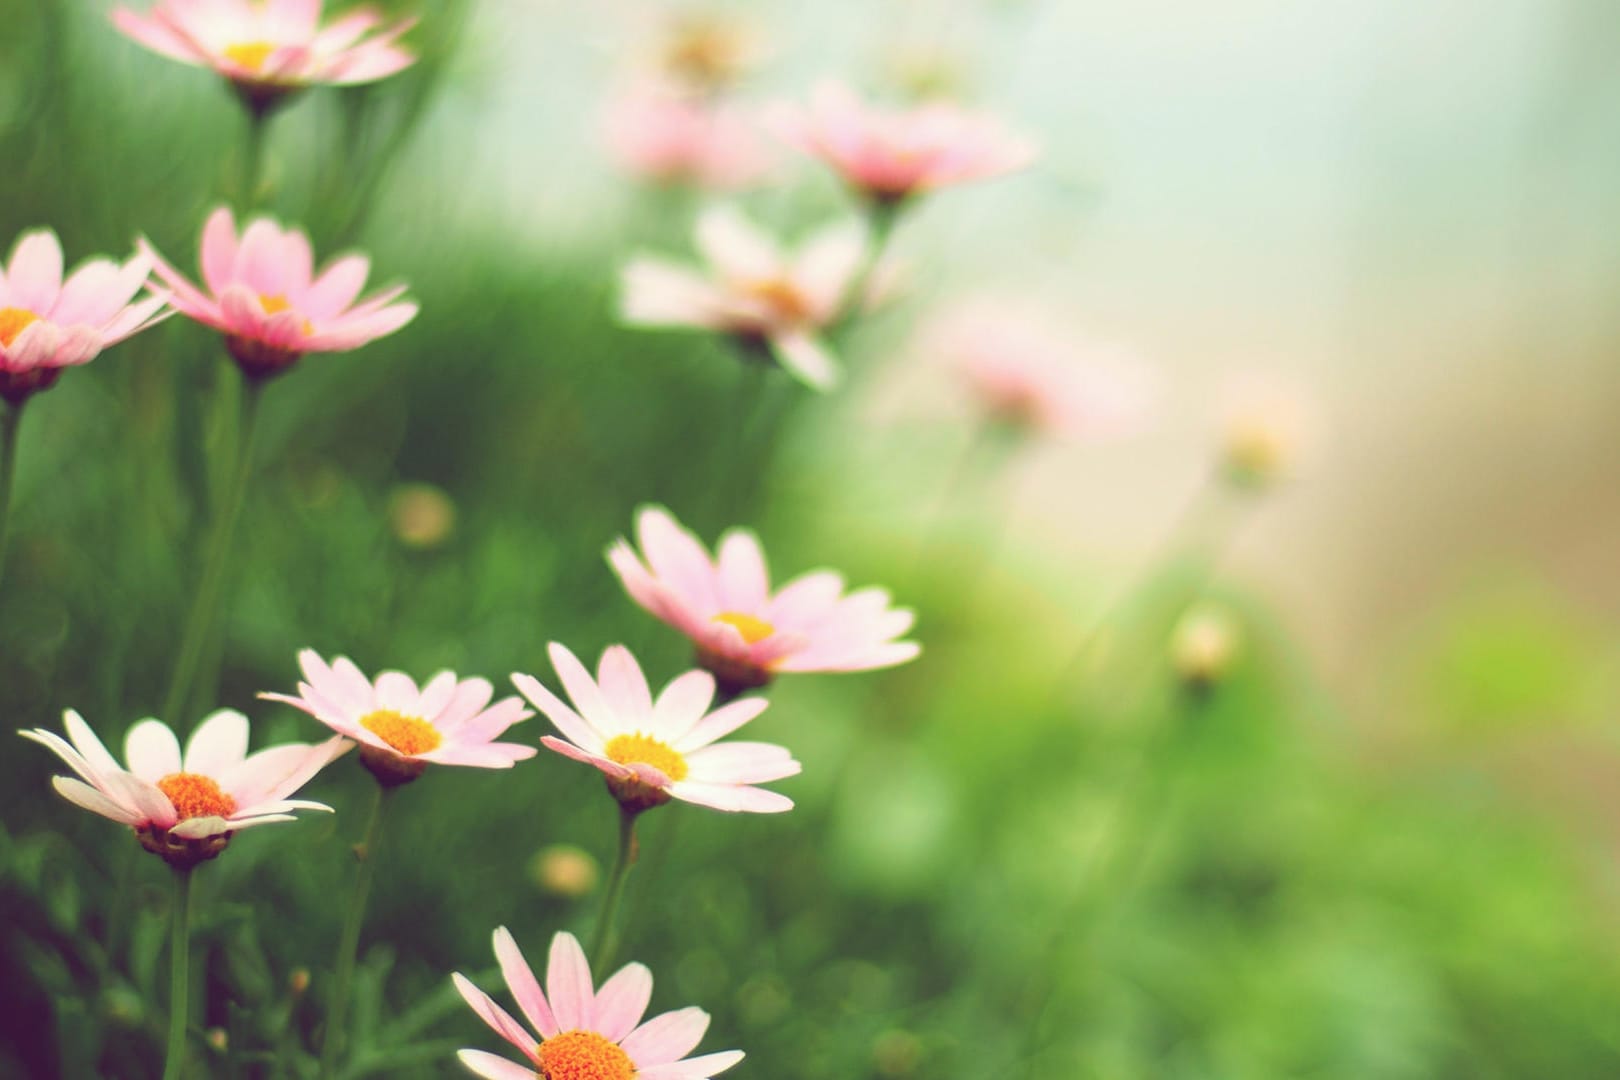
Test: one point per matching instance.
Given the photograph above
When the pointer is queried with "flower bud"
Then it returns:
(564, 870)
(1203, 646)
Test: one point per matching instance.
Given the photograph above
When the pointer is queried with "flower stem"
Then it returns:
(253, 157)
(605, 940)
(174, 1060)
(349, 944)
(10, 422)
(205, 602)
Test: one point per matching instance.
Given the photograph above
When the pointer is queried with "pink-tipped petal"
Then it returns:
(491, 1067)
(152, 750)
(622, 1002)
(568, 982)
(495, 1016)
(666, 1038)
(524, 986)
(219, 743)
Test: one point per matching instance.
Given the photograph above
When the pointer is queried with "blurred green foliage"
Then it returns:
(1005, 862)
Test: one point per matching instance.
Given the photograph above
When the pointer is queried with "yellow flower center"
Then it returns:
(630, 749)
(249, 54)
(274, 303)
(408, 734)
(753, 630)
(195, 795)
(584, 1055)
(14, 321)
(785, 299)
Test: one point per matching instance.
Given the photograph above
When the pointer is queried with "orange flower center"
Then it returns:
(584, 1055)
(630, 749)
(249, 54)
(408, 734)
(195, 795)
(785, 299)
(753, 630)
(14, 321)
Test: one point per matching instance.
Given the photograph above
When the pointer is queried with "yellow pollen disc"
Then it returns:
(584, 1055)
(753, 630)
(629, 749)
(195, 795)
(407, 734)
(14, 321)
(784, 298)
(249, 54)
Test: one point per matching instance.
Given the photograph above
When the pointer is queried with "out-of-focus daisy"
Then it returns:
(269, 48)
(744, 633)
(401, 728)
(1027, 373)
(586, 1033)
(1264, 431)
(47, 324)
(708, 52)
(673, 138)
(891, 154)
(652, 751)
(185, 808)
(264, 296)
(768, 300)
(1203, 645)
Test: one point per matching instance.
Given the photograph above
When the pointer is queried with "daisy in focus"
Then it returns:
(270, 48)
(402, 729)
(744, 633)
(653, 751)
(1027, 374)
(772, 303)
(890, 155)
(584, 1032)
(186, 807)
(47, 323)
(263, 294)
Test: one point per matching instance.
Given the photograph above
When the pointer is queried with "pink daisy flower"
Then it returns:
(745, 634)
(185, 808)
(586, 1033)
(653, 751)
(673, 138)
(402, 729)
(769, 301)
(268, 48)
(1031, 375)
(264, 296)
(47, 324)
(891, 154)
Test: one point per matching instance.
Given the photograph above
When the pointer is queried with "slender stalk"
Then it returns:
(253, 156)
(174, 1059)
(349, 944)
(605, 940)
(881, 217)
(10, 422)
(205, 602)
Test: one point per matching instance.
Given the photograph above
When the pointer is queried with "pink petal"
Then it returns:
(735, 247)
(744, 582)
(731, 798)
(624, 686)
(742, 763)
(219, 743)
(568, 982)
(34, 275)
(587, 696)
(491, 1067)
(565, 720)
(720, 723)
(682, 704)
(83, 795)
(495, 1016)
(524, 986)
(568, 749)
(666, 1038)
(697, 1068)
(152, 750)
(219, 250)
(336, 289)
(622, 1002)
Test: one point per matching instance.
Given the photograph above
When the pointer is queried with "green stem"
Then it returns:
(349, 944)
(253, 157)
(881, 218)
(205, 602)
(174, 1061)
(605, 941)
(10, 422)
